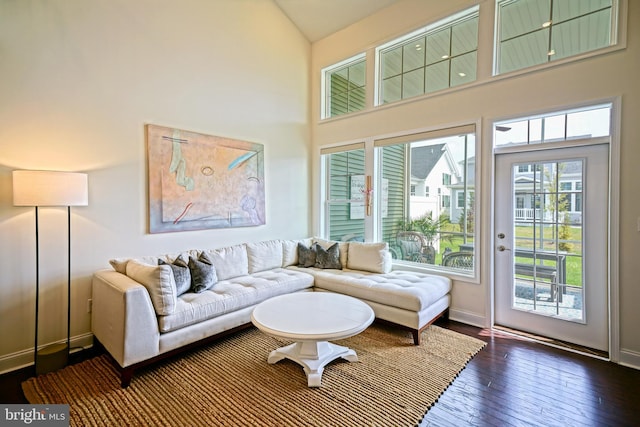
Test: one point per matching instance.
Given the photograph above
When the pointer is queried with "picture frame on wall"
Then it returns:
(198, 181)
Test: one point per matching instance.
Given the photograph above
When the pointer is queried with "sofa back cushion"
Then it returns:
(230, 261)
(290, 251)
(373, 257)
(159, 281)
(265, 255)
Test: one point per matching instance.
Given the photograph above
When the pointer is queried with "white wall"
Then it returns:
(80, 78)
(594, 79)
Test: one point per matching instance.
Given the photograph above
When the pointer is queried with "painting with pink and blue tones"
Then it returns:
(199, 181)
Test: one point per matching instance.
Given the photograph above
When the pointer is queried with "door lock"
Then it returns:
(500, 235)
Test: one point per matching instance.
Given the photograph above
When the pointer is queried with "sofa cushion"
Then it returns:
(344, 248)
(402, 289)
(328, 258)
(290, 251)
(264, 255)
(230, 261)
(373, 257)
(306, 255)
(159, 281)
(234, 294)
(203, 274)
(181, 274)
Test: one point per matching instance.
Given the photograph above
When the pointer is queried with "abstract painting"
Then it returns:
(199, 181)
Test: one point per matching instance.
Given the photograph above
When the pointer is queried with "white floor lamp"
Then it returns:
(51, 188)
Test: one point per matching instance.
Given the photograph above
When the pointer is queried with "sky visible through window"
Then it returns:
(573, 124)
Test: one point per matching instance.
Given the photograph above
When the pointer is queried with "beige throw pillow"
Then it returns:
(159, 281)
(373, 257)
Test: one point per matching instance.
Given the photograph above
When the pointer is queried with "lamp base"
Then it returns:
(52, 358)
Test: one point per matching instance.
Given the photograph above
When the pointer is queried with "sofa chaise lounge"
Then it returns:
(143, 311)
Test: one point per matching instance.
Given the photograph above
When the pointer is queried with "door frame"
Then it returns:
(613, 247)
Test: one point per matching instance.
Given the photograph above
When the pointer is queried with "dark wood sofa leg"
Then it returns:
(416, 336)
(125, 377)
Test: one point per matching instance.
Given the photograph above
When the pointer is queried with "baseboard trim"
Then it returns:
(24, 358)
(629, 358)
(469, 318)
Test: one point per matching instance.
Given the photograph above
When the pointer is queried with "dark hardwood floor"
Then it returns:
(516, 382)
(511, 382)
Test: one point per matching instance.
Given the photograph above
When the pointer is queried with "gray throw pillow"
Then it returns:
(306, 256)
(203, 273)
(181, 274)
(328, 258)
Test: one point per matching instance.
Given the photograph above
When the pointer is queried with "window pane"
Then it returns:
(413, 55)
(341, 83)
(392, 89)
(413, 83)
(357, 75)
(554, 128)
(464, 37)
(590, 123)
(338, 104)
(392, 62)
(424, 61)
(437, 77)
(463, 69)
(533, 32)
(523, 16)
(345, 199)
(524, 51)
(567, 9)
(439, 184)
(356, 99)
(346, 221)
(438, 46)
(579, 35)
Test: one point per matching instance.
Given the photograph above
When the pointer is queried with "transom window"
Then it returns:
(437, 57)
(344, 87)
(588, 122)
(533, 32)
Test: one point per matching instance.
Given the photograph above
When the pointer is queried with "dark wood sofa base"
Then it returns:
(416, 333)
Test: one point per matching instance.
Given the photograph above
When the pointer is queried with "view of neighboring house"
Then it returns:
(433, 169)
(535, 186)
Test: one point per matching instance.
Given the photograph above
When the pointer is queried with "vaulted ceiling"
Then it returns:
(317, 19)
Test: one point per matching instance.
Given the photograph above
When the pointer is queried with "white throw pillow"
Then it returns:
(159, 281)
(264, 255)
(373, 257)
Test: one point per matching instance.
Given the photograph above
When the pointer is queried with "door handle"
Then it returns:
(502, 248)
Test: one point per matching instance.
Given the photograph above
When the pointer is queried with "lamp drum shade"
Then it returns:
(50, 188)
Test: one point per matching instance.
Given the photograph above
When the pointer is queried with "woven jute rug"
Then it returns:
(229, 382)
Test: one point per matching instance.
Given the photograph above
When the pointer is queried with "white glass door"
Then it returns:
(551, 259)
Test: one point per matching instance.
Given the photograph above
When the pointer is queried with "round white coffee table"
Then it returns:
(311, 319)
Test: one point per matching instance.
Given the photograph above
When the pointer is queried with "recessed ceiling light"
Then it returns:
(444, 56)
(462, 74)
(546, 24)
(551, 52)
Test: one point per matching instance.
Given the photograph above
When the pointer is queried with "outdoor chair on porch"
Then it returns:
(461, 260)
(413, 247)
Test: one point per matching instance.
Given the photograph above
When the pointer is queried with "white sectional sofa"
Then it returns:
(143, 311)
